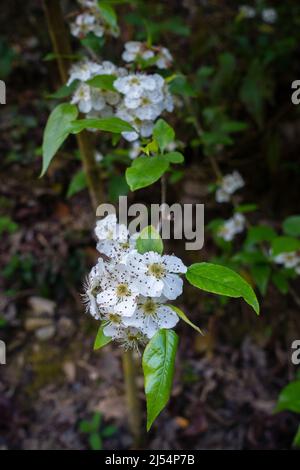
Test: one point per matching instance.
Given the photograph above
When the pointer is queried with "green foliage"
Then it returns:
(291, 226)
(221, 280)
(104, 82)
(117, 186)
(57, 130)
(158, 367)
(289, 398)
(96, 431)
(145, 171)
(174, 157)
(163, 134)
(284, 245)
(7, 225)
(149, 240)
(101, 340)
(183, 317)
(113, 124)
(108, 13)
(77, 184)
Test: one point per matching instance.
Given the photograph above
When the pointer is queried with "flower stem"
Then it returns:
(62, 48)
(133, 403)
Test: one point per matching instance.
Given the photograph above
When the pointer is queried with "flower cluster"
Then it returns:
(137, 98)
(290, 260)
(129, 291)
(136, 51)
(91, 21)
(228, 186)
(232, 227)
(268, 15)
(91, 100)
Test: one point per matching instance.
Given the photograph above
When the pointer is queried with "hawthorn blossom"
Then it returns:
(156, 275)
(84, 24)
(247, 11)
(128, 337)
(121, 292)
(229, 184)
(269, 15)
(135, 50)
(231, 227)
(289, 260)
(151, 315)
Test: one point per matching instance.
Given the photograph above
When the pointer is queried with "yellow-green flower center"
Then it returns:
(157, 270)
(149, 307)
(122, 290)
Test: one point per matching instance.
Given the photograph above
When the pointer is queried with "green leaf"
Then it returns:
(261, 274)
(145, 171)
(221, 280)
(259, 234)
(64, 91)
(104, 82)
(158, 367)
(149, 240)
(296, 441)
(174, 157)
(109, 431)
(281, 282)
(243, 208)
(101, 340)
(108, 13)
(96, 421)
(285, 245)
(7, 225)
(254, 91)
(57, 130)
(181, 86)
(113, 124)
(183, 317)
(77, 184)
(289, 398)
(233, 126)
(85, 426)
(163, 133)
(291, 226)
(95, 441)
(117, 186)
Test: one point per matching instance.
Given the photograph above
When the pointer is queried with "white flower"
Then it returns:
(229, 184)
(121, 293)
(164, 59)
(135, 150)
(247, 11)
(84, 24)
(94, 283)
(151, 315)
(222, 196)
(232, 182)
(134, 85)
(239, 222)
(289, 260)
(128, 337)
(83, 98)
(269, 15)
(232, 226)
(135, 50)
(109, 229)
(83, 71)
(227, 230)
(98, 157)
(156, 275)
